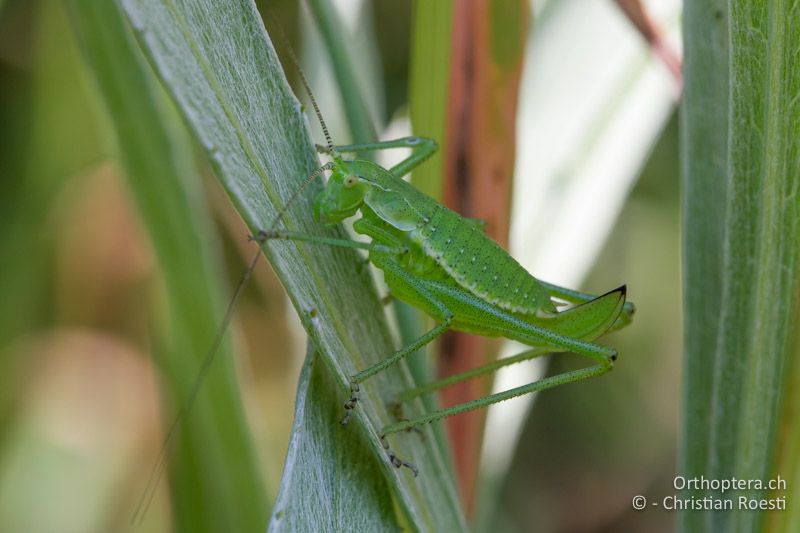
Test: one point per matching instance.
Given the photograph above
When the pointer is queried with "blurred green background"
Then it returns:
(82, 294)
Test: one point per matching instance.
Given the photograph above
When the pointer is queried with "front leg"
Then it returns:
(264, 236)
(421, 149)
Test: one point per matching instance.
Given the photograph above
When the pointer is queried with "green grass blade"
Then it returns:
(218, 64)
(216, 483)
(748, 297)
(331, 29)
(428, 87)
(704, 146)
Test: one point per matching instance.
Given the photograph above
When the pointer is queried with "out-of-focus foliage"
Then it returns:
(82, 430)
(596, 446)
(214, 478)
(741, 155)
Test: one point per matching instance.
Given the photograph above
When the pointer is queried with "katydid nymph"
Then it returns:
(445, 265)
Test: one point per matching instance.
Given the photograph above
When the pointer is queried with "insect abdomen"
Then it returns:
(480, 265)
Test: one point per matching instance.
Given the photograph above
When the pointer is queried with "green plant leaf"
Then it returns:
(218, 64)
(704, 147)
(742, 245)
(351, 470)
(215, 482)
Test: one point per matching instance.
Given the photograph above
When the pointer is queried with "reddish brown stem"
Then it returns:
(488, 40)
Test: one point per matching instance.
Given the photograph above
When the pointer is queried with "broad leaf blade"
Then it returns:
(737, 412)
(704, 159)
(218, 64)
(319, 455)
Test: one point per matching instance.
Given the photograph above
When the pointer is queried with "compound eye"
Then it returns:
(350, 181)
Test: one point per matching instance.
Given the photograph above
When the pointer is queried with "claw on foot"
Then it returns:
(263, 236)
(396, 461)
(350, 404)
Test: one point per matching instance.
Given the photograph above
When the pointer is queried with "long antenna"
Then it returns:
(296, 193)
(158, 468)
(293, 57)
(157, 471)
